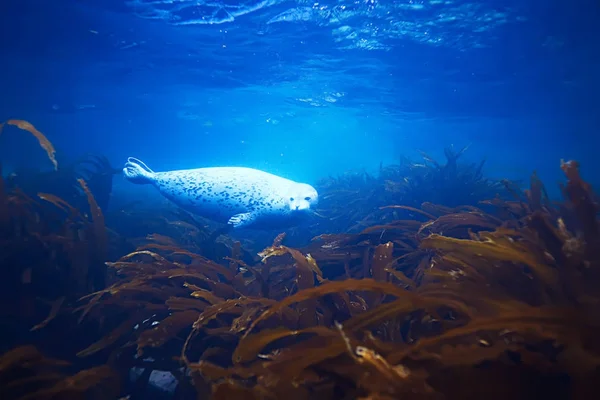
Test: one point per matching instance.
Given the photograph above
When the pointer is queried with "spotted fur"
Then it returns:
(237, 195)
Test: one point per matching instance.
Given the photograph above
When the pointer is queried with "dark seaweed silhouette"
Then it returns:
(493, 299)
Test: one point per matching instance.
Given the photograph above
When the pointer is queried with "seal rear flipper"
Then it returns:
(241, 220)
(137, 172)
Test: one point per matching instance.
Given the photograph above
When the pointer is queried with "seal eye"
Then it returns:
(307, 198)
(291, 199)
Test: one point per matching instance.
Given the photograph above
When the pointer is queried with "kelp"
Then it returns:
(423, 296)
(50, 248)
(26, 374)
(42, 139)
(51, 253)
(353, 201)
(454, 308)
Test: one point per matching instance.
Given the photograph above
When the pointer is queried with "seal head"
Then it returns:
(302, 197)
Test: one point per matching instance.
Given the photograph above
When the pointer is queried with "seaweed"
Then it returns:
(490, 293)
(42, 139)
(52, 253)
(26, 374)
(352, 201)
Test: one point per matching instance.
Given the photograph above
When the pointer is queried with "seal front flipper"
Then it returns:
(242, 219)
(137, 172)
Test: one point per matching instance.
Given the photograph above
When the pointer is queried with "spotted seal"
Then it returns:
(240, 196)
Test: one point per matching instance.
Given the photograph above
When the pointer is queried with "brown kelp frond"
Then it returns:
(584, 206)
(513, 318)
(56, 305)
(331, 288)
(249, 348)
(307, 263)
(96, 214)
(499, 246)
(26, 357)
(460, 224)
(80, 385)
(415, 210)
(25, 373)
(43, 140)
(381, 379)
(60, 203)
(25, 367)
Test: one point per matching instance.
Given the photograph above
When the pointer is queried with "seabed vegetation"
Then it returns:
(441, 285)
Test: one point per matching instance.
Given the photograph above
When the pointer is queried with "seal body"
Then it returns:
(239, 196)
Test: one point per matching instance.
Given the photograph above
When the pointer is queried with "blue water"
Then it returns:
(304, 89)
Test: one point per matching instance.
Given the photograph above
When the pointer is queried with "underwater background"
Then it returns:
(454, 148)
(277, 85)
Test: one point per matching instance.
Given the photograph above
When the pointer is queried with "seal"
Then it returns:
(240, 196)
